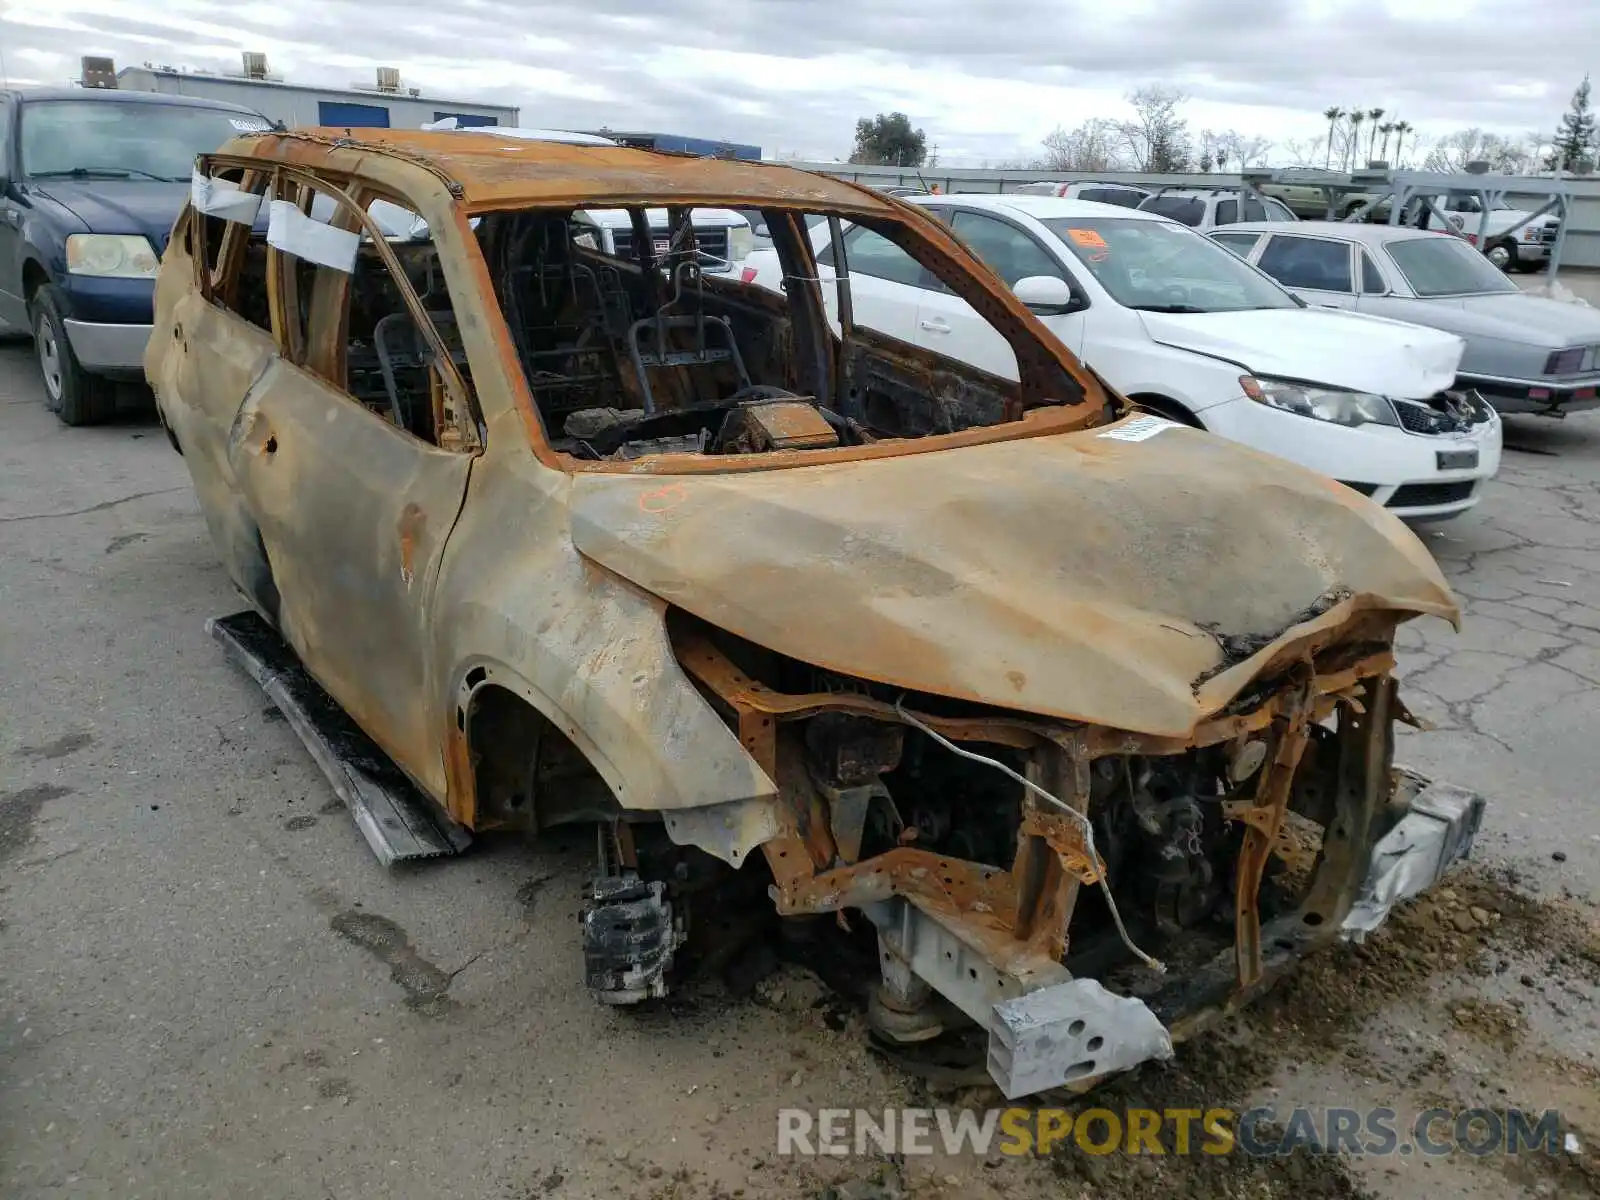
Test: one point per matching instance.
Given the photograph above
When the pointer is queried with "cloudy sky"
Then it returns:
(986, 81)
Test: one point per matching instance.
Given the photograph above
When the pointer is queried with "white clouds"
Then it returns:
(985, 81)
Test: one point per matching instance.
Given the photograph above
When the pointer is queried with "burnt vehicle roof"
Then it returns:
(494, 172)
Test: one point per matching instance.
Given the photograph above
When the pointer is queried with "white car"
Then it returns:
(1206, 208)
(1508, 237)
(1123, 195)
(1186, 329)
(722, 236)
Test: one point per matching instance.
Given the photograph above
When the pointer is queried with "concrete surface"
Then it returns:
(208, 986)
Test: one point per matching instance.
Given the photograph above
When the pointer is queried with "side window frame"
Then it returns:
(1225, 237)
(7, 110)
(218, 277)
(1350, 266)
(317, 345)
(957, 213)
(924, 280)
(1371, 270)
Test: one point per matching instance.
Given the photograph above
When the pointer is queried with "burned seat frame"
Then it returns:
(666, 320)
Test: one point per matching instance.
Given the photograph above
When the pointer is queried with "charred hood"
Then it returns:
(1139, 585)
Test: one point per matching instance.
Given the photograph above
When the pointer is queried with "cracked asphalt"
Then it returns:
(207, 984)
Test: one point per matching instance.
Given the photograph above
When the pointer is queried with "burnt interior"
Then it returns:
(646, 340)
(638, 332)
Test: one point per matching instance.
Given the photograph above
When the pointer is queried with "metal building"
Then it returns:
(386, 103)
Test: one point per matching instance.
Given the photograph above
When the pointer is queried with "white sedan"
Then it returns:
(1185, 328)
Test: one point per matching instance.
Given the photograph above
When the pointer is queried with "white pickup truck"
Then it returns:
(1523, 248)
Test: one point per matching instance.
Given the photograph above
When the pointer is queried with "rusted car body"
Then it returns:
(1090, 714)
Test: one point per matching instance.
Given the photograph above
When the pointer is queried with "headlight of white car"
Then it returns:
(1320, 404)
(111, 256)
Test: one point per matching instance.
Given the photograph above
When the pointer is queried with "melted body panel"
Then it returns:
(1078, 576)
(354, 514)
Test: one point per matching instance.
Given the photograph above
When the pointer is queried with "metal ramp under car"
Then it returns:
(397, 819)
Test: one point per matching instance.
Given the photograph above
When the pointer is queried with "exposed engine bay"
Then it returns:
(1026, 876)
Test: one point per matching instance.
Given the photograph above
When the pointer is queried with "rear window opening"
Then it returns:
(643, 331)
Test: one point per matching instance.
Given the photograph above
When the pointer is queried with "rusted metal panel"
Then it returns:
(496, 172)
(586, 649)
(1073, 576)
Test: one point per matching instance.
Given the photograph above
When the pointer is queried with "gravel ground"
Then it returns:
(207, 983)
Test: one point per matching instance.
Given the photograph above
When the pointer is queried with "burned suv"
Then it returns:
(1088, 713)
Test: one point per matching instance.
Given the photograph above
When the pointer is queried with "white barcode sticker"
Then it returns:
(1139, 429)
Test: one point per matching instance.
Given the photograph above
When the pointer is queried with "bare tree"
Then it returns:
(1507, 156)
(1092, 146)
(1157, 138)
(1232, 146)
(1301, 153)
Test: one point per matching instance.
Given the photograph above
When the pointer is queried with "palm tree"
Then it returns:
(1353, 146)
(1332, 115)
(1374, 115)
(1401, 128)
(1386, 129)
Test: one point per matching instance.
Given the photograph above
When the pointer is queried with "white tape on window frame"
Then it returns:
(291, 231)
(223, 198)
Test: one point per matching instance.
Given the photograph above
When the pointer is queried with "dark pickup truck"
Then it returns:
(90, 184)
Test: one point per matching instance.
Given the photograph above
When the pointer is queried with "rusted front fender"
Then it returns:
(588, 650)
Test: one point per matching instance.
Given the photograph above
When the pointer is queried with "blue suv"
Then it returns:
(90, 184)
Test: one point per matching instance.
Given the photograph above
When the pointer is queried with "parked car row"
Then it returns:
(1509, 240)
(1166, 316)
(1524, 353)
(1395, 395)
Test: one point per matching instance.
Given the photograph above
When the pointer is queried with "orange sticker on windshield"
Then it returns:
(1088, 239)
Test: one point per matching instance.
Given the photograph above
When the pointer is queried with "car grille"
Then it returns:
(1426, 495)
(712, 242)
(1446, 412)
(1547, 235)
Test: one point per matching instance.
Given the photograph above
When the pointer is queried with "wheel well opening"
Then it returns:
(526, 773)
(34, 277)
(1168, 408)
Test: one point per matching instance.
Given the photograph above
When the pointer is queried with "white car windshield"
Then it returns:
(1446, 266)
(1158, 267)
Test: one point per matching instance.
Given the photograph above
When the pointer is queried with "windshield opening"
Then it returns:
(118, 139)
(645, 331)
(1157, 267)
(1446, 266)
